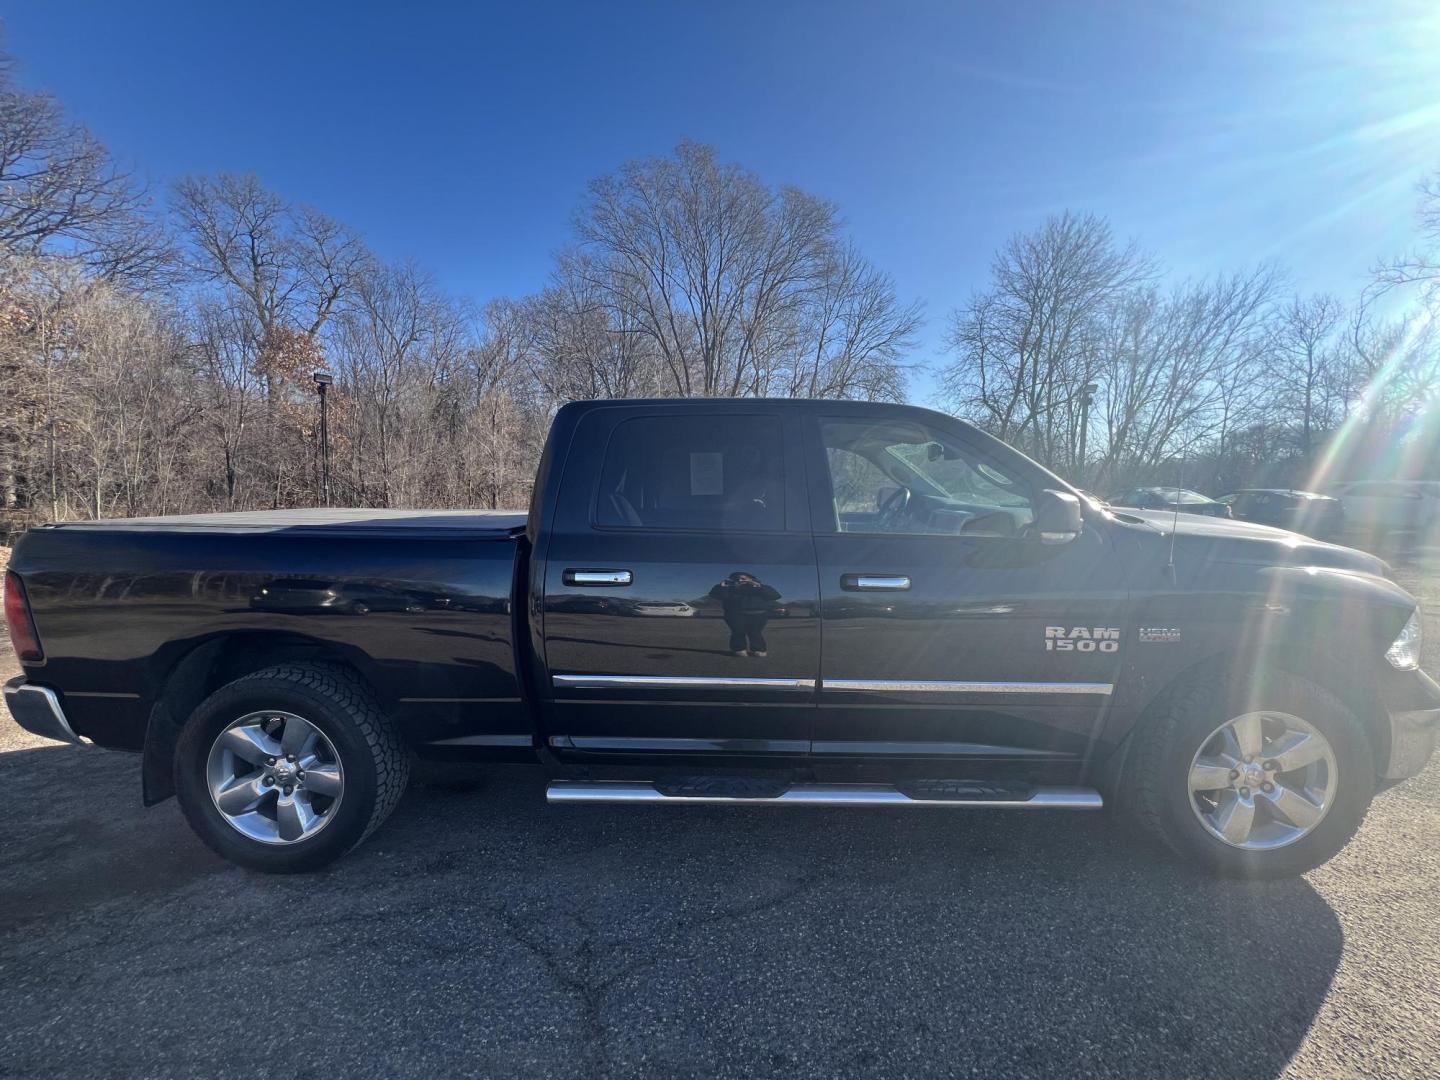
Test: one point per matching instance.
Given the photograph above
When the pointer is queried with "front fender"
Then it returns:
(1329, 625)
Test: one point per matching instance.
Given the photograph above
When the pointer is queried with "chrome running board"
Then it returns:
(624, 791)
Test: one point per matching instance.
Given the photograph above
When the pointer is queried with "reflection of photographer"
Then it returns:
(746, 603)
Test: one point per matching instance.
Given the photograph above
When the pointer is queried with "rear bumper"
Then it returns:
(1412, 705)
(37, 710)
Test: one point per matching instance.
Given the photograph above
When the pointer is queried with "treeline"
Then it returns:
(157, 351)
(157, 355)
(1217, 383)
(184, 381)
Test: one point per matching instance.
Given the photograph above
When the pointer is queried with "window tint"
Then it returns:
(694, 472)
(903, 477)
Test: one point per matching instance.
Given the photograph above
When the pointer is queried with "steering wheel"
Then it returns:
(894, 508)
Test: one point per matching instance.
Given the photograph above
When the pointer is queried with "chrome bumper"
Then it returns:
(1413, 735)
(37, 710)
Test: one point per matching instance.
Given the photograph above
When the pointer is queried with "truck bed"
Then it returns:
(418, 601)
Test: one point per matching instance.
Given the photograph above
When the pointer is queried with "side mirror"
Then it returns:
(1057, 517)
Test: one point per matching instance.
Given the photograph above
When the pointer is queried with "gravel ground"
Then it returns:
(483, 933)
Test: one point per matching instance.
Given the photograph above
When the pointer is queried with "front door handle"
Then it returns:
(874, 582)
(597, 577)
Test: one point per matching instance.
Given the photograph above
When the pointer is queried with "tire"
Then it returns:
(1158, 777)
(359, 743)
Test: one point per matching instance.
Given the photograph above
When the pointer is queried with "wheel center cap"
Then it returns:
(1252, 776)
(283, 771)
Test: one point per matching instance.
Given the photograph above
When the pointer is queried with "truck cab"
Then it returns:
(852, 584)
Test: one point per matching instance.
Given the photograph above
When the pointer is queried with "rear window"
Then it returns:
(694, 472)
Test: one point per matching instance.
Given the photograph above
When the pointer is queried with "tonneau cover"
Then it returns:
(485, 523)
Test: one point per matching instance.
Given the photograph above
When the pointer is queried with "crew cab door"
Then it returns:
(951, 629)
(680, 603)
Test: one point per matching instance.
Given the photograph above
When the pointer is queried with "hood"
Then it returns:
(1227, 540)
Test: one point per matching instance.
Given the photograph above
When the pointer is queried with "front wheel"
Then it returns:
(287, 769)
(1260, 777)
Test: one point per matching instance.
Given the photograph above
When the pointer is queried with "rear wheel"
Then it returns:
(1257, 777)
(288, 768)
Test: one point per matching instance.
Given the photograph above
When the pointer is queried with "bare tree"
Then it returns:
(1173, 367)
(1421, 267)
(1026, 346)
(1309, 362)
(62, 192)
(393, 338)
(738, 288)
(105, 401)
(291, 265)
(280, 272)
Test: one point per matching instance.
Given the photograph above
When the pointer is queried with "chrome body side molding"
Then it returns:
(643, 744)
(676, 682)
(880, 686)
(981, 686)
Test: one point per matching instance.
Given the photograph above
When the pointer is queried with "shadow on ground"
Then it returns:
(482, 931)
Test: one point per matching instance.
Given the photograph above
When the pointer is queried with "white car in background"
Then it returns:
(1389, 505)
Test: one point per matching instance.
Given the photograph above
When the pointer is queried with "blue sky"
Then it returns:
(462, 135)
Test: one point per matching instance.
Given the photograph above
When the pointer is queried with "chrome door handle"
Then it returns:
(874, 582)
(597, 577)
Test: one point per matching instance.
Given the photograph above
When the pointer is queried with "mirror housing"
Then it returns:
(1058, 519)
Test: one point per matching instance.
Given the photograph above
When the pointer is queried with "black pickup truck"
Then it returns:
(758, 603)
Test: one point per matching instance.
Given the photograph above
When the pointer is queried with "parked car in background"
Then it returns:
(1299, 511)
(1381, 506)
(1171, 498)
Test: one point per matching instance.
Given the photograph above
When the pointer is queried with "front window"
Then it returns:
(906, 477)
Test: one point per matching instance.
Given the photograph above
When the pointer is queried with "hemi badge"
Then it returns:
(1159, 633)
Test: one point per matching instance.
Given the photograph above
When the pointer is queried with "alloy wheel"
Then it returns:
(275, 777)
(1262, 780)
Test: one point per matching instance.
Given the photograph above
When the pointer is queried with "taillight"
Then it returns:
(20, 622)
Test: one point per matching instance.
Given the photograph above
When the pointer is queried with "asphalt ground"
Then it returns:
(481, 932)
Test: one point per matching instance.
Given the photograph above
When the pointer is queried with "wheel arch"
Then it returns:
(197, 670)
(1336, 670)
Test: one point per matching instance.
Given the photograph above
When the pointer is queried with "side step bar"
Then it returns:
(624, 791)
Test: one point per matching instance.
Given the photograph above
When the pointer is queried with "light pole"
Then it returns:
(1087, 395)
(323, 379)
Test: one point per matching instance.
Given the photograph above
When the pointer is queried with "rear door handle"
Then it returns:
(874, 582)
(597, 577)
